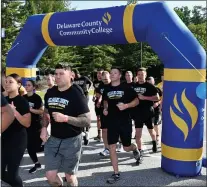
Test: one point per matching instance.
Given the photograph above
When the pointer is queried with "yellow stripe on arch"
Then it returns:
(184, 75)
(128, 24)
(181, 154)
(22, 72)
(45, 30)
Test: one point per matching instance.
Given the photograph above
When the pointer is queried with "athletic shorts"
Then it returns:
(157, 117)
(145, 116)
(63, 154)
(104, 120)
(122, 130)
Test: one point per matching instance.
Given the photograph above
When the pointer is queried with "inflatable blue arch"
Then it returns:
(159, 26)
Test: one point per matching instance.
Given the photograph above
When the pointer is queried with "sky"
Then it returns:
(80, 5)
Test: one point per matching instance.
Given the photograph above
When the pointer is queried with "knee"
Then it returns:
(112, 148)
(71, 180)
(51, 176)
(127, 149)
(69, 177)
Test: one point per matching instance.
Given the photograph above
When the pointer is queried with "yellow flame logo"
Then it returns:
(106, 18)
(178, 121)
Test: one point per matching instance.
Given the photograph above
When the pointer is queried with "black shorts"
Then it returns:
(145, 116)
(157, 117)
(98, 111)
(104, 120)
(119, 130)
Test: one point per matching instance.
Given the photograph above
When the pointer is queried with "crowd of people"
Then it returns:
(119, 105)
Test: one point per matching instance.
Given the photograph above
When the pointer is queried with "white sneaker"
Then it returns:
(105, 152)
(120, 148)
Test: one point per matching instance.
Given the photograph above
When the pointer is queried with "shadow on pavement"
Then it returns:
(144, 177)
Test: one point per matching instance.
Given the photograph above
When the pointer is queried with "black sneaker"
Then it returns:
(114, 177)
(34, 169)
(97, 138)
(141, 158)
(154, 148)
(136, 154)
(38, 165)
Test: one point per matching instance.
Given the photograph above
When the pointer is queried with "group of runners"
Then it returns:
(119, 105)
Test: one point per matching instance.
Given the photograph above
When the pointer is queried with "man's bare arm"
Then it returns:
(152, 98)
(133, 103)
(83, 120)
(45, 118)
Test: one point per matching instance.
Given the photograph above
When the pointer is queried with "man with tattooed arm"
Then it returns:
(69, 113)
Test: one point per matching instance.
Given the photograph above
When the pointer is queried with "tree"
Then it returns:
(132, 2)
(10, 17)
(53, 55)
(94, 57)
(184, 13)
(198, 15)
(199, 32)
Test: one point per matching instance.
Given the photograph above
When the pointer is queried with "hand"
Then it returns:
(58, 117)
(156, 105)
(44, 134)
(105, 112)
(31, 109)
(98, 104)
(122, 106)
(141, 97)
(13, 107)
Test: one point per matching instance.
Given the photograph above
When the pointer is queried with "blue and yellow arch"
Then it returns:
(182, 132)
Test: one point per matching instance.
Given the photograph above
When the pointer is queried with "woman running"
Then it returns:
(33, 132)
(14, 139)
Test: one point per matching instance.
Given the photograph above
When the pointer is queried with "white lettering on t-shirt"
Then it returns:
(115, 94)
(56, 102)
(140, 90)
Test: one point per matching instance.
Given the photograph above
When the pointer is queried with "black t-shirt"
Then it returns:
(131, 84)
(145, 89)
(82, 82)
(96, 84)
(3, 101)
(70, 102)
(22, 106)
(100, 91)
(35, 102)
(118, 94)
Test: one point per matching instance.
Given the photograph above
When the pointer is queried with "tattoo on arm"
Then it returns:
(46, 118)
(83, 120)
